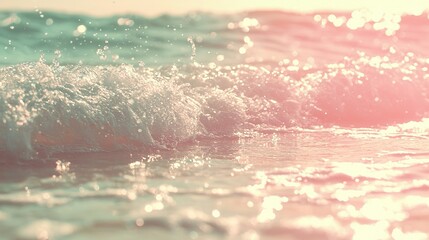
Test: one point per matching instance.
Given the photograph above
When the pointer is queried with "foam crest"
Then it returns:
(373, 90)
(49, 108)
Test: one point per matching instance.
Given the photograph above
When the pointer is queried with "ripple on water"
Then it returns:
(46, 229)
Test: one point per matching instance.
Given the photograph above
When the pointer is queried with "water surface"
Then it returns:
(258, 125)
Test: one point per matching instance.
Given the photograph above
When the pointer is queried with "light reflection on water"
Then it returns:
(226, 188)
(247, 175)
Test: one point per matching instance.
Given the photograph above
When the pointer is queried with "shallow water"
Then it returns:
(260, 125)
(362, 188)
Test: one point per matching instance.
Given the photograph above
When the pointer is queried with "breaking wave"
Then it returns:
(48, 108)
(266, 74)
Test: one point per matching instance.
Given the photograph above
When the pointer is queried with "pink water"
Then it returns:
(261, 125)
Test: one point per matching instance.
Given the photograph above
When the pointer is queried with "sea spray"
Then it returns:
(89, 92)
(55, 108)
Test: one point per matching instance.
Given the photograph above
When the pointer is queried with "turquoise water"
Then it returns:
(259, 125)
(114, 40)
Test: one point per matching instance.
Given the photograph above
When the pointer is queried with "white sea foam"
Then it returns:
(49, 108)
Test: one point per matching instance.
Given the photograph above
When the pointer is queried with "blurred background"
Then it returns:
(150, 8)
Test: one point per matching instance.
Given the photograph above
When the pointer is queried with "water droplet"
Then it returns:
(215, 213)
(49, 21)
(242, 50)
(81, 29)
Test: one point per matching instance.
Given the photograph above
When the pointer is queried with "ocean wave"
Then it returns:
(204, 75)
(49, 108)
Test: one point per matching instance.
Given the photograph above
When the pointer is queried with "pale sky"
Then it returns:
(156, 7)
